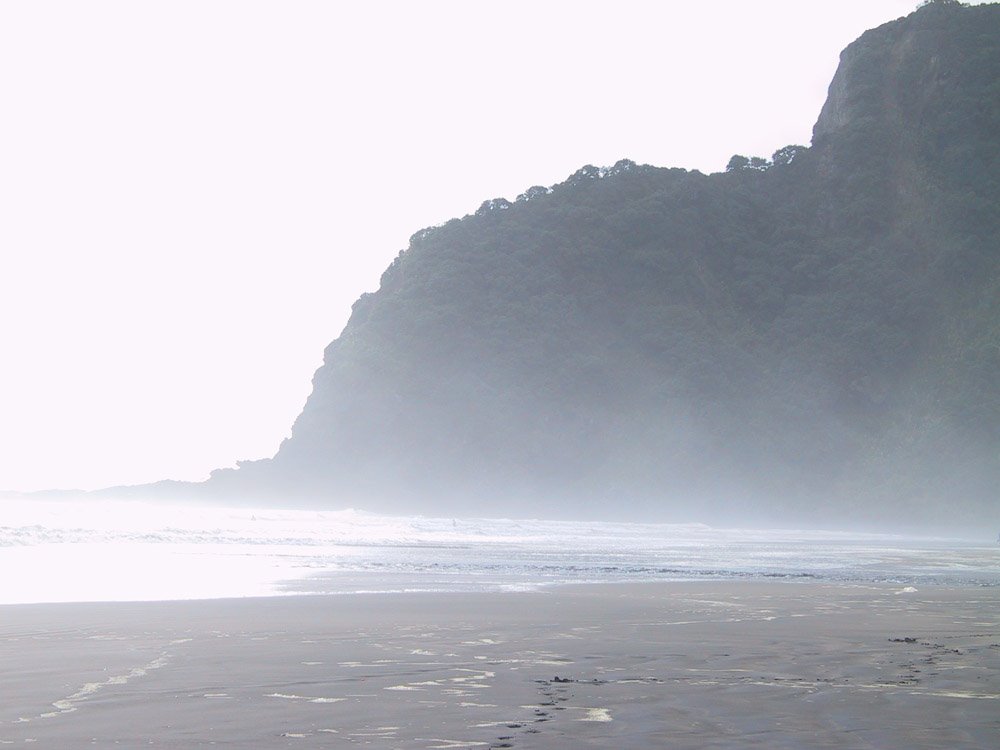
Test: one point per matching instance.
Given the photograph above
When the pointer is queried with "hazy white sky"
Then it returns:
(192, 194)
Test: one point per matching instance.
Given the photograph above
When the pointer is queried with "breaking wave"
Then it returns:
(87, 550)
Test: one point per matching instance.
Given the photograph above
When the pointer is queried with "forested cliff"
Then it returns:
(810, 336)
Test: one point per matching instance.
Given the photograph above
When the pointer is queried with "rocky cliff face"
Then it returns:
(893, 76)
(816, 338)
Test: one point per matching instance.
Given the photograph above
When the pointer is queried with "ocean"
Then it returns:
(87, 550)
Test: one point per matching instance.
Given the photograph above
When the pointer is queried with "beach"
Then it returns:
(678, 665)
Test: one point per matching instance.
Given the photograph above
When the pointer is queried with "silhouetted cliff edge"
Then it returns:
(811, 337)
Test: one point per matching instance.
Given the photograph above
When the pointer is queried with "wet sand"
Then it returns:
(682, 665)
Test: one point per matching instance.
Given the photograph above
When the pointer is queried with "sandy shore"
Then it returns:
(685, 665)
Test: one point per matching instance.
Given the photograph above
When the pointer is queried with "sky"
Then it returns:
(193, 194)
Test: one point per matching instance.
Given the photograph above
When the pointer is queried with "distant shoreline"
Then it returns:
(539, 589)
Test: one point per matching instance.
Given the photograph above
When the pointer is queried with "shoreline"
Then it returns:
(119, 552)
(682, 664)
(291, 589)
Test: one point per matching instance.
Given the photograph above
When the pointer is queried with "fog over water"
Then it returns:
(111, 551)
(196, 193)
(219, 211)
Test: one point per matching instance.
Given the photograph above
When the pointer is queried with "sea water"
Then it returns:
(100, 550)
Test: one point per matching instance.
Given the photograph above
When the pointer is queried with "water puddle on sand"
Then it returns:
(957, 694)
(72, 702)
(308, 698)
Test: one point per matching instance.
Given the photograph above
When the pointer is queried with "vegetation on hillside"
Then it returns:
(810, 336)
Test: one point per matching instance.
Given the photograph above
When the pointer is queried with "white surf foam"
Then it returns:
(90, 550)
